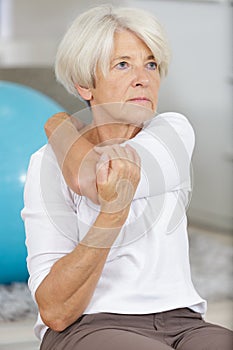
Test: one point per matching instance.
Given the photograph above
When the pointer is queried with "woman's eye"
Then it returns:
(152, 65)
(122, 65)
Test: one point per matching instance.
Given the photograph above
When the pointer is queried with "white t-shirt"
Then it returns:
(147, 269)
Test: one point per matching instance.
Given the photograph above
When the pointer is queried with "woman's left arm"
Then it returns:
(165, 146)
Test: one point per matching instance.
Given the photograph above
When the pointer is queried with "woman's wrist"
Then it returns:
(105, 230)
(107, 219)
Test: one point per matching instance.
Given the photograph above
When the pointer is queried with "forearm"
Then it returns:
(165, 147)
(66, 291)
(69, 146)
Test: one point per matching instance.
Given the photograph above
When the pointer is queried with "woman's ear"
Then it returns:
(85, 93)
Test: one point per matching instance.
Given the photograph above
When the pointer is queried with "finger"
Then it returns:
(102, 169)
(101, 150)
(130, 153)
(109, 150)
(56, 120)
(127, 152)
(114, 151)
(117, 153)
(61, 116)
(120, 151)
(134, 154)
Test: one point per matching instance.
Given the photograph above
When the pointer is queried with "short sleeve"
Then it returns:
(165, 146)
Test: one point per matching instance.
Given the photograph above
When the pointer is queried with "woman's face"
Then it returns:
(133, 77)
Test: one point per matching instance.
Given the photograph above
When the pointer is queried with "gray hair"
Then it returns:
(90, 39)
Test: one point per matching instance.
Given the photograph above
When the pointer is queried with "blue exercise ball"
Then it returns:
(23, 112)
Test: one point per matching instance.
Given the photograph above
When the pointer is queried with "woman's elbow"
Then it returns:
(57, 322)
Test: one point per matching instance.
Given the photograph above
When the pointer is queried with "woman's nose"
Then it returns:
(140, 78)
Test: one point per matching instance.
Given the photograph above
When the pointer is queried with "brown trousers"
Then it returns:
(181, 329)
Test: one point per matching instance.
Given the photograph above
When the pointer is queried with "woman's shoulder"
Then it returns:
(173, 118)
(174, 121)
(171, 129)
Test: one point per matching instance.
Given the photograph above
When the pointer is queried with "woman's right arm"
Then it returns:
(64, 274)
(75, 154)
(66, 291)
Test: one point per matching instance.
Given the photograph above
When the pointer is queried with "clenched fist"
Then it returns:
(117, 178)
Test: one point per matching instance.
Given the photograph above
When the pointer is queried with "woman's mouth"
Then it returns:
(142, 101)
(139, 99)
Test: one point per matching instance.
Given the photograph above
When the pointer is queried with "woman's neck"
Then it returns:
(116, 132)
(110, 133)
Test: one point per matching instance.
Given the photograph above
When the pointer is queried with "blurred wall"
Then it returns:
(30, 30)
(199, 85)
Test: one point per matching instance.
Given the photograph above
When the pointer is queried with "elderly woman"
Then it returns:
(109, 265)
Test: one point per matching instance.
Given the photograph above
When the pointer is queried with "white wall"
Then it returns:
(30, 30)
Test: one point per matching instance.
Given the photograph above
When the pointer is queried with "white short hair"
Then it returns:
(90, 39)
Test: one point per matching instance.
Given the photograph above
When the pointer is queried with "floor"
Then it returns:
(18, 336)
(208, 249)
